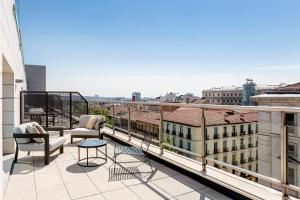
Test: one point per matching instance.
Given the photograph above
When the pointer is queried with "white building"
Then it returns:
(169, 98)
(136, 96)
(12, 79)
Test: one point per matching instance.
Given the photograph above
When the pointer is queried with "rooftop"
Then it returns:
(64, 179)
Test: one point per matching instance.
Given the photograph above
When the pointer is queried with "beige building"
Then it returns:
(269, 135)
(231, 136)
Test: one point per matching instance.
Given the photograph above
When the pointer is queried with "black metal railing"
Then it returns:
(52, 109)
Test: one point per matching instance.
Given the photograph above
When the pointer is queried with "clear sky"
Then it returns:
(115, 47)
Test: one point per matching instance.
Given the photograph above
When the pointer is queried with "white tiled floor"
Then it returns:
(63, 179)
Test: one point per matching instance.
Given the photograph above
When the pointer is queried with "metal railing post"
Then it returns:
(129, 124)
(71, 107)
(161, 131)
(47, 109)
(203, 142)
(113, 118)
(284, 157)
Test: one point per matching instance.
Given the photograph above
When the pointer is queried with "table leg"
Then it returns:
(87, 156)
(106, 153)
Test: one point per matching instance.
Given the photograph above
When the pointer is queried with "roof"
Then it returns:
(295, 86)
(276, 96)
(192, 117)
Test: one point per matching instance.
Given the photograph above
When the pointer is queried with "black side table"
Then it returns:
(87, 144)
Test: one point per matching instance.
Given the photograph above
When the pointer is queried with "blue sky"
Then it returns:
(115, 47)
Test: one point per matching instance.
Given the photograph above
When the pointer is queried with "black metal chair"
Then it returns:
(135, 150)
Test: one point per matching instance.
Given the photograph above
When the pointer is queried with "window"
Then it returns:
(168, 126)
(249, 128)
(215, 147)
(242, 141)
(225, 159)
(189, 134)
(225, 129)
(290, 119)
(250, 140)
(181, 129)
(242, 156)
(189, 146)
(180, 144)
(291, 176)
(233, 157)
(225, 144)
(242, 128)
(233, 143)
(174, 142)
(215, 130)
(233, 129)
(293, 150)
(174, 127)
(250, 167)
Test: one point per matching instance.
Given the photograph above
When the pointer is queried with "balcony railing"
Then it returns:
(234, 134)
(216, 136)
(243, 161)
(242, 133)
(180, 134)
(189, 137)
(173, 132)
(225, 135)
(52, 109)
(250, 145)
(216, 151)
(167, 131)
(250, 132)
(225, 149)
(203, 157)
(250, 159)
(243, 146)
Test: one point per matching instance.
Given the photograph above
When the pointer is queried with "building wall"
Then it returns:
(11, 68)
(36, 77)
(221, 155)
(224, 97)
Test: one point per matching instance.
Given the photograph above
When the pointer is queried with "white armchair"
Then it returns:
(89, 126)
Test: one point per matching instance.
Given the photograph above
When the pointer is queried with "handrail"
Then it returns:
(211, 106)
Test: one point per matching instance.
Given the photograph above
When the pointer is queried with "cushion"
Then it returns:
(84, 131)
(91, 123)
(83, 120)
(39, 127)
(22, 129)
(33, 130)
(100, 120)
(54, 142)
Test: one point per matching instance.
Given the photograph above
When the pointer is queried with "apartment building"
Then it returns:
(269, 135)
(234, 95)
(36, 77)
(231, 136)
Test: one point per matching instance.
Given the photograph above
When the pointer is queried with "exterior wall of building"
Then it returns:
(237, 142)
(36, 77)
(11, 69)
(234, 146)
(224, 96)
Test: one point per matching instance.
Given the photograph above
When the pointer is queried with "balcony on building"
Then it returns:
(216, 136)
(167, 131)
(173, 132)
(234, 134)
(180, 134)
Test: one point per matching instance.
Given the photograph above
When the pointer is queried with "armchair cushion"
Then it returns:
(22, 129)
(84, 131)
(83, 120)
(31, 128)
(100, 122)
(54, 142)
(92, 121)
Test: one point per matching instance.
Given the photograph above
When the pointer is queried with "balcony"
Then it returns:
(189, 137)
(234, 162)
(250, 132)
(225, 135)
(250, 159)
(216, 136)
(250, 145)
(180, 134)
(243, 146)
(216, 151)
(173, 132)
(243, 161)
(242, 133)
(234, 148)
(226, 149)
(166, 157)
(234, 134)
(167, 131)
(207, 137)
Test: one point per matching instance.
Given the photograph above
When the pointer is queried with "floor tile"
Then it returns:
(57, 192)
(81, 188)
(123, 193)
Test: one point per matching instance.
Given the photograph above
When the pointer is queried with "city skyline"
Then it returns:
(112, 49)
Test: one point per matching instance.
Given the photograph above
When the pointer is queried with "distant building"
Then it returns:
(230, 136)
(168, 98)
(36, 77)
(249, 89)
(136, 96)
(234, 95)
(269, 132)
